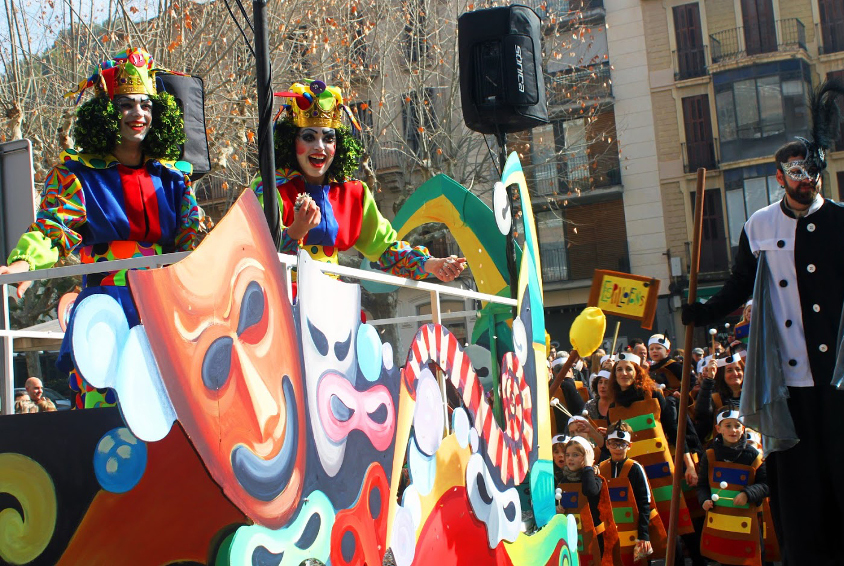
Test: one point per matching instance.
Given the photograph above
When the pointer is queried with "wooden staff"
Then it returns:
(561, 375)
(615, 338)
(687, 364)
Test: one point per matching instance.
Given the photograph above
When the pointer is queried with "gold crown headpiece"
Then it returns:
(314, 104)
(129, 72)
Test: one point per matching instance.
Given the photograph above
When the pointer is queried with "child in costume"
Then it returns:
(581, 426)
(640, 529)
(723, 389)
(579, 494)
(638, 401)
(664, 369)
(121, 195)
(732, 486)
(323, 210)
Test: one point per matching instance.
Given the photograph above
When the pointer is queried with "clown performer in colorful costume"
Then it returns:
(121, 195)
(322, 209)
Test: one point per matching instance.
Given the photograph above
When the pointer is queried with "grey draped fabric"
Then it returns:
(838, 372)
(764, 394)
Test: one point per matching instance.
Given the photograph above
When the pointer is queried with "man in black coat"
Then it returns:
(799, 241)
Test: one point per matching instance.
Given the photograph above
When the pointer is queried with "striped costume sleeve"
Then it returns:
(188, 237)
(62, 211)
(403, 260)
(288, 244)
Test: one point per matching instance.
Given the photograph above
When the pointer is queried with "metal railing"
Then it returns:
(740, 42)
(830, 36)
(577, 86)
(690, 63)
(701, 154)
(8, 335)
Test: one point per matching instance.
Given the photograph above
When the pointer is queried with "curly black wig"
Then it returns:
(346, 159)
(97, 128)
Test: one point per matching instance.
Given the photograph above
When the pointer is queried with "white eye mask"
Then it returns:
(500, 511)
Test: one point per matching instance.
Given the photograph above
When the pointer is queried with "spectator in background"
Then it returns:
(34, 401)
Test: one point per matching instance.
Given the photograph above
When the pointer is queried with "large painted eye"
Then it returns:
(251, 307)
(319, 339)
(341, 349)
(217, 363)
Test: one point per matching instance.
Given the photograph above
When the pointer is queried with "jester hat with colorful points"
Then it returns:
(130, 72)
(313, 104)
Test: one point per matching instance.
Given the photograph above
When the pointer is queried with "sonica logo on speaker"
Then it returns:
(520, 69)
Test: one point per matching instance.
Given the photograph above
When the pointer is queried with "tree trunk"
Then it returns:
(33, 365)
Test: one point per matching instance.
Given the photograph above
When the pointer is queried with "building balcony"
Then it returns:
(567, 11)
(574, 175)
(690, 63)
(563, 89)
(386, 156)
(580, 260)
(830, 37)
(742, 42)
(704, 154)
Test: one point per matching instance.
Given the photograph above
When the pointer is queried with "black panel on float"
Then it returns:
(501, 84)
(190, 93)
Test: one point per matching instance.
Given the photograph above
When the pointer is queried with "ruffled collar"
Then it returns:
(105, 161)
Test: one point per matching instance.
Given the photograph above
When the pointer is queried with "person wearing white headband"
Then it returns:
(580, 426)
(636, 398)
(579, 494)
(664, 369)
(599, 404)
(626, 477)
(733, 484)
(723, 389)
(568, 393)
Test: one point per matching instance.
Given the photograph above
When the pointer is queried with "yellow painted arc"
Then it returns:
(440, 209)
(22, 540)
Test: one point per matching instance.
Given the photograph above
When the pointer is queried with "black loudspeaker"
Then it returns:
(190, 93)
(501, 84)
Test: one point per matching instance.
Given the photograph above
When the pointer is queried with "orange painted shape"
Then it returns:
(172, 515)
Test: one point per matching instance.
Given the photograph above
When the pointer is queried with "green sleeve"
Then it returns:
(36, 249)
(376, 232)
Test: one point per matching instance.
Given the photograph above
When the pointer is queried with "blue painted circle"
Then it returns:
(368, 349)
(120, 460)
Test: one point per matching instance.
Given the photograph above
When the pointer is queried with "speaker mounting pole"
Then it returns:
(512, 268)
(266, 152)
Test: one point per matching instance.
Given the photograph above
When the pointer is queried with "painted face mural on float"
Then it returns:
(222, 332)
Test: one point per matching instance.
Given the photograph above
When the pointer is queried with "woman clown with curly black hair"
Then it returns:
(323, 209)
(121, 195)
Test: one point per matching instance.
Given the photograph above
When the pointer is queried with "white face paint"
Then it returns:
(135, 117)
(329, 316)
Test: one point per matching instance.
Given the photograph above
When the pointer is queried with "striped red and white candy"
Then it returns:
(509, 449)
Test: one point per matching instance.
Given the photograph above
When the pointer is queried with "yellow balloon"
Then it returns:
(587, 331)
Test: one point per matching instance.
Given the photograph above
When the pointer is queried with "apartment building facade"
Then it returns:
(594, 169)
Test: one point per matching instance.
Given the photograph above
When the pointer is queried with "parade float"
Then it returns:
(255, 430)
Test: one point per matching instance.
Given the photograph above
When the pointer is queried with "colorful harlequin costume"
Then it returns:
(350, 217)
(587, 499)
(635, 517)
(731, 533)
(642, 410)
(101, 209)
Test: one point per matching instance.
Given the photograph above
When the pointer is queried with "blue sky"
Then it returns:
(46, 18)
